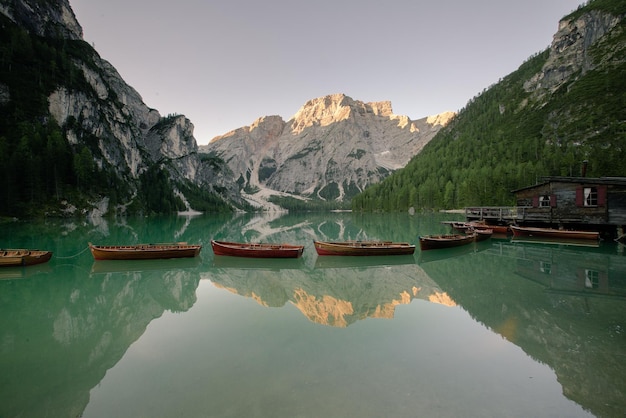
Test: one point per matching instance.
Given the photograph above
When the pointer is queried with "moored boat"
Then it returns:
(258, 250)
(497, 229)
(144, 251)
(519, 231)
(460, 226)
(363, 248)
(465, 226)
(433, 242)
(483, 234)
(23, 257)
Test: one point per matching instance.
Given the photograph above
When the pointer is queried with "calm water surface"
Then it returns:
(497, 329)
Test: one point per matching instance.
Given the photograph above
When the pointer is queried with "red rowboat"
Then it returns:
(144, 251)
(16, 258)
(497, 229)
(262, 250)
(432, 242)
(519, 231)
(363, 248)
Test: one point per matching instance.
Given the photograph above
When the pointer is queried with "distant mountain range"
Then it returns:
(75, 139)
(330, 150)
(79, 140)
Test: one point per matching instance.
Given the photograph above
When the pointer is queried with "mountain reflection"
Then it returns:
(64, 324)
(338, 295)
(86, 324)
(562, 305)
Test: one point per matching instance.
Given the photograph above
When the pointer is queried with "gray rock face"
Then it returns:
(331, 149)
(570, 51)
(122, 132)
(44, 18)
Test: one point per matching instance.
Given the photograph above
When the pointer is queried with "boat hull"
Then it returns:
(21, 257)
(252, 250)
(483, 234)
(554, 233)
(434, 242)
(477, 226)
(363, 248)
(144, 251)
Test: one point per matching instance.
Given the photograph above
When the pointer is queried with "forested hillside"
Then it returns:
(509, 136)
(49, 167)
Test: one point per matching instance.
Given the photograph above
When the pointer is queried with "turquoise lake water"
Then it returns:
(495, 329)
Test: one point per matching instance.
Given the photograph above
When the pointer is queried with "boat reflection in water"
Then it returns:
(250, 263)
(132, 266)
(563, 305)
(8, 273)
(97, 339)
(362, 262)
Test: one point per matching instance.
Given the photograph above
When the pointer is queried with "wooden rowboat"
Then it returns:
(144, 251)
(23, 257)
(260, 250)
(483, 234)
(519, 231)
(465, 226)
(363, 248)
(497, 229)
(432, 242)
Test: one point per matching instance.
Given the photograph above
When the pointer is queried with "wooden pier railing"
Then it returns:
(496, 213)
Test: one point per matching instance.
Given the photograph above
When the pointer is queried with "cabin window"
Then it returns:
(544, 201)
(590, 196)
(592, 279)
(545, 267)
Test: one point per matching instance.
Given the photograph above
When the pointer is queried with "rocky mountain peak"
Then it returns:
(334, 108)
(331, 149)
(106, 119)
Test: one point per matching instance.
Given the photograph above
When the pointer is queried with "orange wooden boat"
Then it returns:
(23, 257)
(363, 248)
(483, 234)
(497, 229)
(256, 250)
(433, 242)
(144, 251)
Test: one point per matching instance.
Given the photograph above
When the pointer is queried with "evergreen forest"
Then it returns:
(39, 167)
(504, 139)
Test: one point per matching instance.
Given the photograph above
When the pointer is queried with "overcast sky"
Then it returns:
(223, 64)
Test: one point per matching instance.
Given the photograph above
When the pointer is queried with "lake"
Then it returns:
(495, 329)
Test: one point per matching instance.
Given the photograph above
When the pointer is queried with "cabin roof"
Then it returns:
(613, 181)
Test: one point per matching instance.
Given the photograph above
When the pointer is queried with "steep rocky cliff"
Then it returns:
(99, 112)
(331, 149)
(571, 54)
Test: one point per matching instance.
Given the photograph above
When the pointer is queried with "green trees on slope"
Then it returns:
(503, 140)
(40, 169)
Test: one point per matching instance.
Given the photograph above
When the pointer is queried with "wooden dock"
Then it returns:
(503, 214)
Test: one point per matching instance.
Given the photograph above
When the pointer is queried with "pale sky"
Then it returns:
(223, 64)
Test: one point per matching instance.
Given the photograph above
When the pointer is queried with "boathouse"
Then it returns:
(574, 203)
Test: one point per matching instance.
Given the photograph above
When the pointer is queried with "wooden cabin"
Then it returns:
(574, 203)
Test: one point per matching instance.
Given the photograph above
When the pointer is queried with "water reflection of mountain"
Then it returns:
(85, 323)
(336, 296)
(565, 307)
